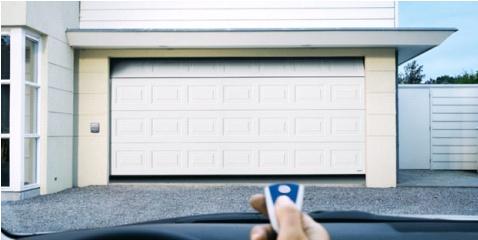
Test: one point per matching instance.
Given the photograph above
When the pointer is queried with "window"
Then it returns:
(5, 82)
(20, 97)
(31, 60)
(5, 57)
(30, 171)
(5, 108)
(5, 131)
(31, 111)
(5, 162)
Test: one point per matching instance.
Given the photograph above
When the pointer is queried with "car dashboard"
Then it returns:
(235, 226)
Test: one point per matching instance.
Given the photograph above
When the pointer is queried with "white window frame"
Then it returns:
(18, 85)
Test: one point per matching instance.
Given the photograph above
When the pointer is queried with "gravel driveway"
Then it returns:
(100, 206)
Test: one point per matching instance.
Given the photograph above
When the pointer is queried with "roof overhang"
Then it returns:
(409, 42)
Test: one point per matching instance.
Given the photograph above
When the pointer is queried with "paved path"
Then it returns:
(121, 204)
(437, 178)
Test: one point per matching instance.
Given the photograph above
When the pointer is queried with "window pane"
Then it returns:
(5, 162)
(5, 57)
(30, 60)
(5, 108)
(30, 160)
(31, 109)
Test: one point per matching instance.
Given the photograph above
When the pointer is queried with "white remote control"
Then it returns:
(294, 191)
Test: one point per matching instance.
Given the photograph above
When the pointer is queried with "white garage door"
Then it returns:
(241, 116)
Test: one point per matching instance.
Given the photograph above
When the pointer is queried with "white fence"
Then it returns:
(438, 126)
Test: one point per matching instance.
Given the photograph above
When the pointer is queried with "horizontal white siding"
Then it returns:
(236, 14)
(454, 127)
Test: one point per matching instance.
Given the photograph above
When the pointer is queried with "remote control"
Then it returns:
(294, 191)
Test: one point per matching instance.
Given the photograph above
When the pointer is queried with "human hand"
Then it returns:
(293, 224)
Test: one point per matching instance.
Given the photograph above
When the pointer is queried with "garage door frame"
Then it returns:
(93, 93)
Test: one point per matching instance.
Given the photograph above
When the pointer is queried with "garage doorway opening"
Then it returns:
(237, 117)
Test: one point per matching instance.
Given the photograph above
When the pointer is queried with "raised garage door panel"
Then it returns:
(238, 93)
(201, 117)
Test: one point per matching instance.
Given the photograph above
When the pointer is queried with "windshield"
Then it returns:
(122, 112)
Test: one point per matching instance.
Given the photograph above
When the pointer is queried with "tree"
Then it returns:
(444, 79)
(465, 78)
(413, 74)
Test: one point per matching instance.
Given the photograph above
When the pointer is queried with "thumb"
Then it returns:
(289, 219)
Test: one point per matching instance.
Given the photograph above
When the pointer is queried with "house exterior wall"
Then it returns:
(70, 104)
(187, 14)
(56, 166)
(56, 69)
(14, 13)
(93, 97)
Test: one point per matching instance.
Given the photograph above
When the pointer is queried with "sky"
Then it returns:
(459, 52)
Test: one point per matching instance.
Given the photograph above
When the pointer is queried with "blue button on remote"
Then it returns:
(294, 191)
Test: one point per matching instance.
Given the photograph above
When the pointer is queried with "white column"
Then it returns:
(17, 108)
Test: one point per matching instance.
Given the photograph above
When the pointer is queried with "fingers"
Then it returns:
(313, 229)
(292, 223)
(289, 219)
(258, 202)
(262, 232)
